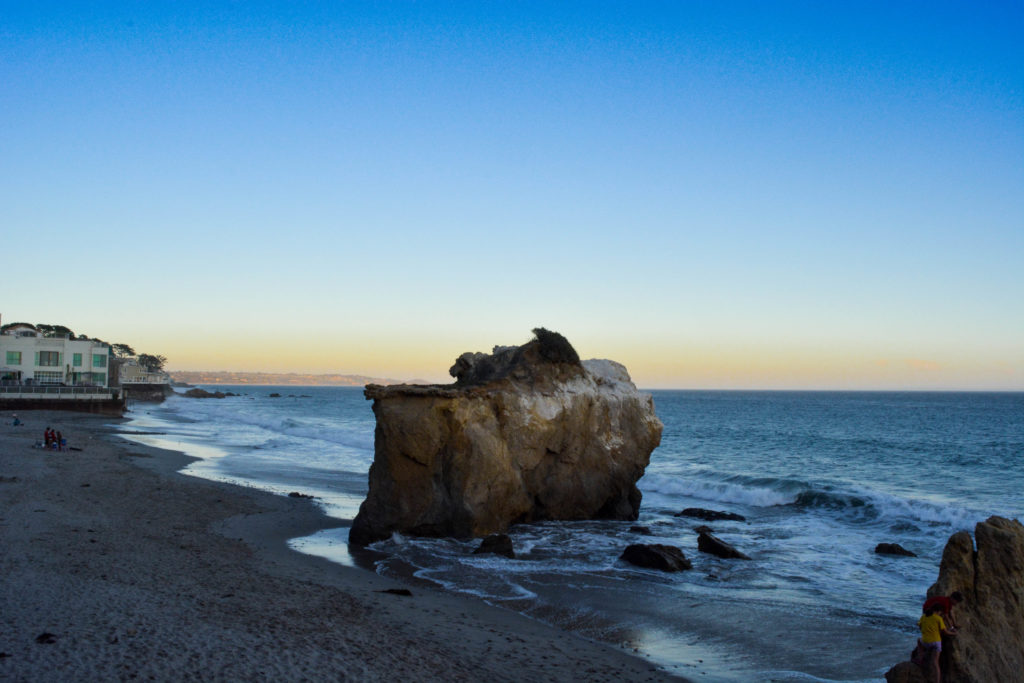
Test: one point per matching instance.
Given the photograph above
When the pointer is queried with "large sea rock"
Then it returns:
(526, 433)
(989, 571)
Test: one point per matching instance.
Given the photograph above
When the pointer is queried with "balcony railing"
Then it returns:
(22, 391)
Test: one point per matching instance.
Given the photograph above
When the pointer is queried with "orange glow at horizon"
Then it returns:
(708, 367)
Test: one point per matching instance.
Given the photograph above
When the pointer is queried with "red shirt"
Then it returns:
(947, 604)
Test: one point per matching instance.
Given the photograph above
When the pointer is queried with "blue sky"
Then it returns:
(719, 194)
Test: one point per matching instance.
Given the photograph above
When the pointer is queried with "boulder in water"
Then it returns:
(893, 549)
(496, 544)
(203, 393)
(706, 543)
(666, 558)
(711, 515)
(526, 433)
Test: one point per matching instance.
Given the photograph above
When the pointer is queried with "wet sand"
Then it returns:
(117, 567)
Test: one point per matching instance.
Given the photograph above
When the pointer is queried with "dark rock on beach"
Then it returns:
(496, 544)
(706, 543)
(703, 529)
(711, 515)
(893, 549)
(989, 571)
(525, 434)
(642, 530)
(296, 494)
(666, 558)
(905, 672)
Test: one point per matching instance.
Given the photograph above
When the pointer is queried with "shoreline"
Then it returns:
(136, 570)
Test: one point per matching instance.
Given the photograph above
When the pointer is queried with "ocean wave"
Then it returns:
(496, 591)
(719, 491)
(240, 412)
(863, 503)
(857, 503)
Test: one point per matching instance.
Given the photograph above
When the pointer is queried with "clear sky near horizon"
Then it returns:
(716, 194)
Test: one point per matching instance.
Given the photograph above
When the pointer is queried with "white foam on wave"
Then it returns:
(440, 577)
(240, 411)
(718, 491)
(895, 508)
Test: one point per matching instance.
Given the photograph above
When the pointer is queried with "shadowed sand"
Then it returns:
(138, 572)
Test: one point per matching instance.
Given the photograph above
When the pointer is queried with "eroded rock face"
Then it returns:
(525, 434)
(990, 643)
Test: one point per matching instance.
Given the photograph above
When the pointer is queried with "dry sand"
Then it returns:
(126, 569)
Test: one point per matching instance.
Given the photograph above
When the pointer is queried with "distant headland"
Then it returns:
(280, 378)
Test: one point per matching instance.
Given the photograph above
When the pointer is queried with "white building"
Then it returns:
(130, 372)
(29, 358)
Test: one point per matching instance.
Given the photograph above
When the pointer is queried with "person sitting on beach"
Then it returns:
(947, 604)
(932, 629)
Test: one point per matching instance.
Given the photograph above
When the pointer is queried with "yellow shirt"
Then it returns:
(932, 627)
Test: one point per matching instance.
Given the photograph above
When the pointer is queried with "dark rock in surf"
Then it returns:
(496, 544)
(203, 393)
(706, 543)
(642, 530)
(274, 395)
(703, 529)
(296, 494)
(893, 549)
(711, 515)
(666, 558)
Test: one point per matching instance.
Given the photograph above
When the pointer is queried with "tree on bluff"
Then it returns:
(122, 350)
(152, 363)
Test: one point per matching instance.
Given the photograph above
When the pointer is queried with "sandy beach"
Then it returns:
(117, 567)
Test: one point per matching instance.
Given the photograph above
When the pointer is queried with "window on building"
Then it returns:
(99, 360)
(98, 378)
(45, 377)
(76, 359)
(48, 359)
(14, 357)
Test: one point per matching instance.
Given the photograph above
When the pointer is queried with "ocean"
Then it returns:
(821, 478)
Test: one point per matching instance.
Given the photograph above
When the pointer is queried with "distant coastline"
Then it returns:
(281, 379)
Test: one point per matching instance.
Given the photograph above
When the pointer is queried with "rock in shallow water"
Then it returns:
(893, 549)
(496, 544)
(525, 434)
(667, 558)
(706, 543)
(711, 515)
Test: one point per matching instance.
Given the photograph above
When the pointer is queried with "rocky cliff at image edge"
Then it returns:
(989, 646)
